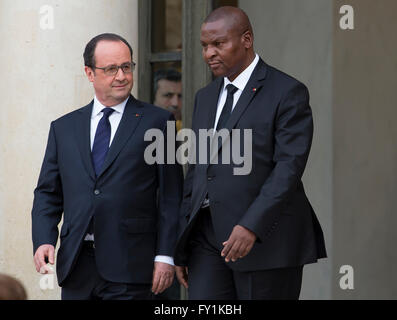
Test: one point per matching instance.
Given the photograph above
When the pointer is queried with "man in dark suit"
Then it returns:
(120, 214)
(248, 236)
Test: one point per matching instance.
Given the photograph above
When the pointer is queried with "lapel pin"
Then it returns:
(136, 115)
(254, 89)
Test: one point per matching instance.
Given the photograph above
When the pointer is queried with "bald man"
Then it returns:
(248, 236)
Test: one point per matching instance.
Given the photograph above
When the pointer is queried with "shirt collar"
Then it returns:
(241, 81)
(98, 107)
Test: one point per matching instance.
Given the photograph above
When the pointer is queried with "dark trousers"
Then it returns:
(211, 278)
(85, 283)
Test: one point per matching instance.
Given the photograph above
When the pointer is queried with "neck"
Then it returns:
(250, 58)
(110, 102)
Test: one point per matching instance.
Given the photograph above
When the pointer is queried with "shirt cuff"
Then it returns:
(164, 259)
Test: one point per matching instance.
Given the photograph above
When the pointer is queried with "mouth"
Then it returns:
(120, 86)
(214, 65)
(172, 108)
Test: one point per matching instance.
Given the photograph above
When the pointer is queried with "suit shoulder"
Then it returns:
(210, 87)
(156, 111)
(71, 115)
(284, 80)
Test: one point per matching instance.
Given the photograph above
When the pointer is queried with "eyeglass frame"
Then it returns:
(132, 64)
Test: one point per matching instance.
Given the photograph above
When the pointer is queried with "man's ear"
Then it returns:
(248, 39)
(90, 73)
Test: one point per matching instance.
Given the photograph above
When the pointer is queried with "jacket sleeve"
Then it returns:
(48, 198)
(186, 205)
(292, 142)
(170, 176)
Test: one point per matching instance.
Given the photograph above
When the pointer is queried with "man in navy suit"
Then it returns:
(248, 236)
(120, 214)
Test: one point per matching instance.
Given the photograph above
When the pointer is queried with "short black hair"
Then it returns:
(89, 52)
(167, 74)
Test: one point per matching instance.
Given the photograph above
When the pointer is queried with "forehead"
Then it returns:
(112, 52)
(216, 29)
(170, 86)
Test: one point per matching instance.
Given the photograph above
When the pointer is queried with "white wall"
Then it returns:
(365, 150)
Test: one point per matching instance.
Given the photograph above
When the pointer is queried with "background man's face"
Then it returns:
(223, 49)
(169, 97)
(111, 90)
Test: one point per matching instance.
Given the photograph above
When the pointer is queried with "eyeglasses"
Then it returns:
(113, 69)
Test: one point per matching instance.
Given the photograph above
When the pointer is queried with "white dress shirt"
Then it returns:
(240, 82)
(114, 120)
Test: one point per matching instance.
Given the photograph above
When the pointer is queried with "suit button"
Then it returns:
(97, 192)
(210, 178)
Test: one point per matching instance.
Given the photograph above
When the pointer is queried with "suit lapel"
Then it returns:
(253, 86)
(133, 112)
(213, 97)
(251, 89)
(83, 137)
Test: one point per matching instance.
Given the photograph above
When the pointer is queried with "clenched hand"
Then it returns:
(43, 252)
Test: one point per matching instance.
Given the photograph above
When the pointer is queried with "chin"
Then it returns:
(123, 94)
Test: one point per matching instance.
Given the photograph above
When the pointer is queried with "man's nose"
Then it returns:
(174, 100)
(120, 75)
(209, 52)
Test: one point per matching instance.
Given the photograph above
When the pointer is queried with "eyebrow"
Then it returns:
(216, 39)
(115, 64)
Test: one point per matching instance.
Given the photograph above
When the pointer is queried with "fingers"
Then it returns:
(163, 275)
(238, 245)
(231, 248)
(227, 246)
(247, 250)
(162, 282)
(165, 282)
(156, 280)
(234, 252)
(40, 256)
(36, 260)
(160, 285)
(42, 262)
(181, 275)
(51, 253)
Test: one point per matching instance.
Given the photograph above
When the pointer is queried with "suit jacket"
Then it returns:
(270, 200)
(135, 205)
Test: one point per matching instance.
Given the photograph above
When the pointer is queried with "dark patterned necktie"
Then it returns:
(227, 108)
(101, 140)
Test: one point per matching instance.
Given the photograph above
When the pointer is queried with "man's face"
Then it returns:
(111, 90)
(169, 97)
(224, 48)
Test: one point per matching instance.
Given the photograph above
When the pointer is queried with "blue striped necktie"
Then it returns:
(101, 140)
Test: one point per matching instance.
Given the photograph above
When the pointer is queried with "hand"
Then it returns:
(43, 252)
(181, 274)
(163, 275)
(239, 244)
